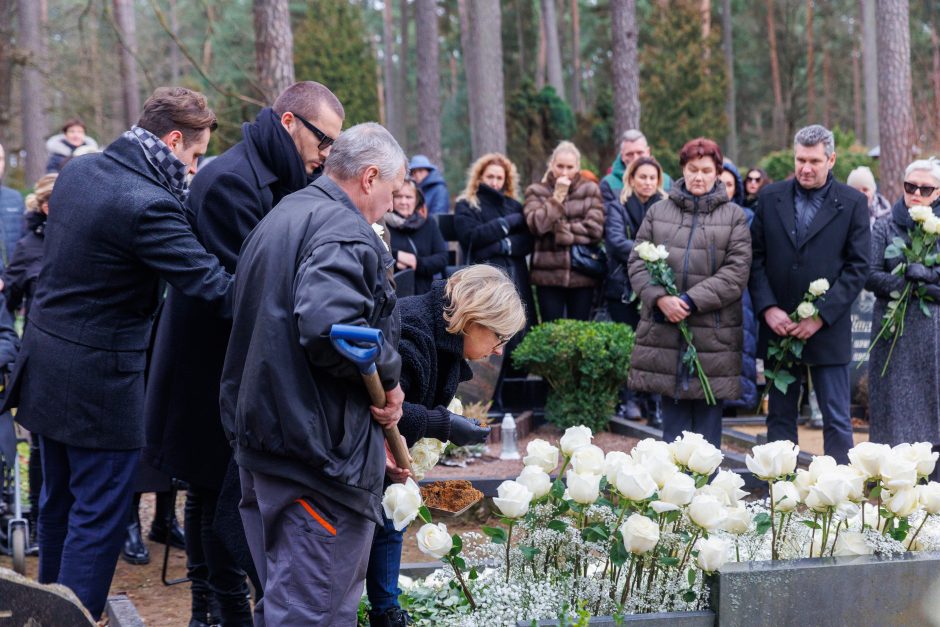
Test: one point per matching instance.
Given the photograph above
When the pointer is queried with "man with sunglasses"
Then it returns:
(280, 152)
(808, 228)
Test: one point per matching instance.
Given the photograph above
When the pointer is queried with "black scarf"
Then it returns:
(168, 167)
(36, 222)
(276, 148)
(410, 224)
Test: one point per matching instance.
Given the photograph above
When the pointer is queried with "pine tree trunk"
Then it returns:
(827, 88)
(870, 71)
(625, 66)
(274, 47)
(552, 47)
(731, 104)
(6, 69)
(130, 85)
(895, 118)
(32, 96)
(935, 66)
(403, 89)
(777, 116)
(857, 92)
(576, 99)
(174, 51)
(486, 95)
(429, 93)
(390, 76)
(542, 60)
(810, 65)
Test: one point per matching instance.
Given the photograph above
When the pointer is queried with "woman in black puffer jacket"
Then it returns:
(417, 243)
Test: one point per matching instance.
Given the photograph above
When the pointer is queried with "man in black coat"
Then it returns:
(116, 231)
(311, 458)
(809, 228)
(229, 196)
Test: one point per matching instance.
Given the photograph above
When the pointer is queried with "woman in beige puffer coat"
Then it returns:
(563, 210)
(709, 246)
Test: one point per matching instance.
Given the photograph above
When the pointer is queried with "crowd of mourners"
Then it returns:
(177, 324)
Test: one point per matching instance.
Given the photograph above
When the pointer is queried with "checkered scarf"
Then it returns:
(168, 167)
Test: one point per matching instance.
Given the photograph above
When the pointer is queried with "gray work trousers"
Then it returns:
(310, 551)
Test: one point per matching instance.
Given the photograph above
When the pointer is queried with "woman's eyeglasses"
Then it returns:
(753, 179)
(502, 340)
(325, 140)
(925, 190)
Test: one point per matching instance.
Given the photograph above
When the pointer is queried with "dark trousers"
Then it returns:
(573, 303)
(86, 496)
(384, 566)
(831, 384)
(696, 416)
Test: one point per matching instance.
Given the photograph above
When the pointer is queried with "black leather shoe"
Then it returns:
(393, 617)
(135, 551)
(158, 533)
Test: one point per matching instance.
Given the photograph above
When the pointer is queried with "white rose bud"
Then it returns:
(574, 438)
(922, 454)
(920, 213)
(929, 496)
(898, 472)
(401, 503)
(773, 460)
(588, 460)
(707, 512)
(635, 483)
(829, 492)
(806, 310)
(737, 520)
(455, 406)
(512, 499)
(713, 553)
(819, 287)
(785, 496)
(640, 534)
(434, 540)
(536, 480)
(661, 253)
(730, 483)
(821, 464)
(542, 454)
(684, 445)
(705, 459)
(614, 462)
(867, 457)
(646, 251)
(584, 489)
(678, 490)
(803, 482)
(903, 503)
(931, 225)
(852, 543)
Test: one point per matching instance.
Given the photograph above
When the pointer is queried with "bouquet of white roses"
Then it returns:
(661, 274)
(921, 250)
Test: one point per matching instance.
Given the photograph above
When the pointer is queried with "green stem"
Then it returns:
(914, 537)
(812, 536)
(462, 583)
(773, 527)
(508, 543)
(626, 584)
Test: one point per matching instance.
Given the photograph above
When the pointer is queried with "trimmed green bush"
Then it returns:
(585, 365)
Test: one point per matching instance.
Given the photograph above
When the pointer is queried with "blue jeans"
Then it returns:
(86, 497)
(384, 564)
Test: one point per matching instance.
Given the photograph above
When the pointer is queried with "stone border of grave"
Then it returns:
(121, 612)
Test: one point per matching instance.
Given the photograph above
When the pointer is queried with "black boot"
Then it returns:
(135, 551)
(392, 617)
(236, 612)
(159, 531)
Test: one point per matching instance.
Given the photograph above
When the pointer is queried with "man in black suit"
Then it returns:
(116, 231)
(811, 227)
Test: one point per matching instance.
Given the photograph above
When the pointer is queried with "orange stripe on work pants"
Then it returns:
(317, 517)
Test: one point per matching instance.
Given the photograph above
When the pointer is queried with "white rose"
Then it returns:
(574, 438)
(712, 553)
(380, 231)
(646, 251)
(856, 481)
(434, 540)
(806, 310)
(678, 490)
(730, 483)
(588, 460)
(852, 543)
(424, 456)
(614, 462)
(803, 482)
(542, 454)
(684, 445)
(931, 225)
(661, 253)
(920, 213)
(640, 534)
(871, 517)
(922, 454)
(830, 491)
(707, 512)
(773, 460)
(635, 483)
(737, 520)
(819, 287)
(512, 499)
(867, 457)
(902, 503)
(536, 480)
(929, 496)
(455, 406)
(716, 492)
(898, 472)
(705, 459)
(648, 447)
(785, 496)
(584, 489)
(821, 464)
(401, 503)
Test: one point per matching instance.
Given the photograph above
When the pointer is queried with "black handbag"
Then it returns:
(589, 259)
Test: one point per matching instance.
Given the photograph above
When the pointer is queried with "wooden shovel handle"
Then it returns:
(392, 436)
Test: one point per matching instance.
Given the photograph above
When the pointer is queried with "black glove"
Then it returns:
(932, 291)
(464, 431)
(503, 224)
(515, 220)
(919, 272)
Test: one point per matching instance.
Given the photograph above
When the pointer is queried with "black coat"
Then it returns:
(622, 223)
(432, 366)
(427, 244)
(496, 233)
(19, 277)
(836, 247)
(114, 234)
(229, 196)
(293, 406)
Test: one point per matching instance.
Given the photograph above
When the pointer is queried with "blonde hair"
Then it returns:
(483, 294)
(41, 193)
(475, 174)
(563, 146)
(630, 172)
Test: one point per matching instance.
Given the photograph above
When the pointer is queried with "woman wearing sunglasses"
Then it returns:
(755, 181)
(905, 402)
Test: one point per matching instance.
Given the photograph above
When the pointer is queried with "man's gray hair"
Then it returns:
(931, 166)
(815, 134)
(632, 135)
(361, 146)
